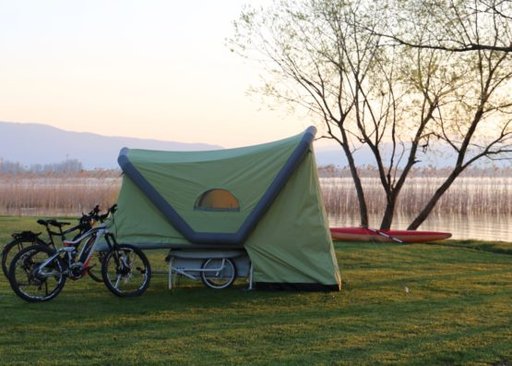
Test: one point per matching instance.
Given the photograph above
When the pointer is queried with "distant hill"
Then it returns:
(33, 143)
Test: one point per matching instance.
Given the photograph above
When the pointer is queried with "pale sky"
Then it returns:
(148, 68)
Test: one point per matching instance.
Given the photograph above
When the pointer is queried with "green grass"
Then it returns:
(457, 311)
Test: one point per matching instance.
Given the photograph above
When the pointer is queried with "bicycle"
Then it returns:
(27, 238)
(38, 273)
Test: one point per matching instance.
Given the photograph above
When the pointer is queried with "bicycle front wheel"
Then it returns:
(14, 247)
(32, 279)
(126, 271)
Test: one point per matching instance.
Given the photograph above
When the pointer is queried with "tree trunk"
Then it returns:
(345, 145)
(425, 212)
(387, 219)
(363, 209)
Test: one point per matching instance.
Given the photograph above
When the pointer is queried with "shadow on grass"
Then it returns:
(498, 247)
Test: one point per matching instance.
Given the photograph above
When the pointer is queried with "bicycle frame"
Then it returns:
(61, 234)
(78, 260)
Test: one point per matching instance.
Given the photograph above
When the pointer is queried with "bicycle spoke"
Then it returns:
(46, 288)
(118, 279)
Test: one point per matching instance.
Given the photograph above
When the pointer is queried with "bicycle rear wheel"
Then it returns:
(126, 271)
(31, 281)
(14, 247)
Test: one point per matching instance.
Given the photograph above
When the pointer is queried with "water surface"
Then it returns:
(462, 227)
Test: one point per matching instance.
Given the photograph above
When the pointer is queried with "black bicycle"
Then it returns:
(24, 239)
(38, 273)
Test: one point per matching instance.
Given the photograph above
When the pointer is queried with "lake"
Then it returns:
(483, 227)
(473, 208)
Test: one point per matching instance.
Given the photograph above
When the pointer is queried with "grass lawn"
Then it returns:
(448, 304)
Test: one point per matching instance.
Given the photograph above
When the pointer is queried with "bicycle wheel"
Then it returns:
(94, 266)
(218, 273)
(32, 282)
(13, 247)
(126, 271)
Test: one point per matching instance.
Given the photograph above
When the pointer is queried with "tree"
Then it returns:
(475, 123)
(335, 59)
(453, 25)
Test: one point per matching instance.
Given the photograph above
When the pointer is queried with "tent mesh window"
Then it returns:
(217, 200)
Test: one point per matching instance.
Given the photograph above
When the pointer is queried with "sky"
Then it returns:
(156, 69)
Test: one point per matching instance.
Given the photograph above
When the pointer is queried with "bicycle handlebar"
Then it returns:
(103, 217)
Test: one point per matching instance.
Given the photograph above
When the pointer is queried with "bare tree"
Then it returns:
(335, 59)
(451, 25)
(475, 122)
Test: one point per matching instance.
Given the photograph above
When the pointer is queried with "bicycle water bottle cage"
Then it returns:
(25, 235)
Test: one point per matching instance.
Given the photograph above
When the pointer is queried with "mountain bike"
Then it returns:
(29, 238)
(38, 273)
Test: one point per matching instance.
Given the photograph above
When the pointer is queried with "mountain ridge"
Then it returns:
(32, 144)
(37, 143)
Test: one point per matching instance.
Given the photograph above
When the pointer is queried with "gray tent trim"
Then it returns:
(237, 238)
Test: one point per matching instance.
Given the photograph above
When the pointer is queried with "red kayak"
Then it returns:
(398, 236)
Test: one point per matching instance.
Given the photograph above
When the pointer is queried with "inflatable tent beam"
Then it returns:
(238, 238)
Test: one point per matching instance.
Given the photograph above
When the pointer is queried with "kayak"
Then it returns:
(398, 236)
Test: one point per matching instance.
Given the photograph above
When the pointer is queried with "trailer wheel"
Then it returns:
(218, 273)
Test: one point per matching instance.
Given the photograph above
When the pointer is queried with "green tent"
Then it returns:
(265, 199)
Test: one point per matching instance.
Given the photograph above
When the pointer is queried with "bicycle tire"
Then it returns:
(126, 271)
(223, 277)
(14, 247)
(31, 286)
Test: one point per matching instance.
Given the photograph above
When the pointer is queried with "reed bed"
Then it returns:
(65, 194)
(467, 196)
(57, 194)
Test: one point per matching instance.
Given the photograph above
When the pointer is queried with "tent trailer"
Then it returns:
(259, 205)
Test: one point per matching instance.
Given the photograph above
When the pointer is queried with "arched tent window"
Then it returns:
(217, 200)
